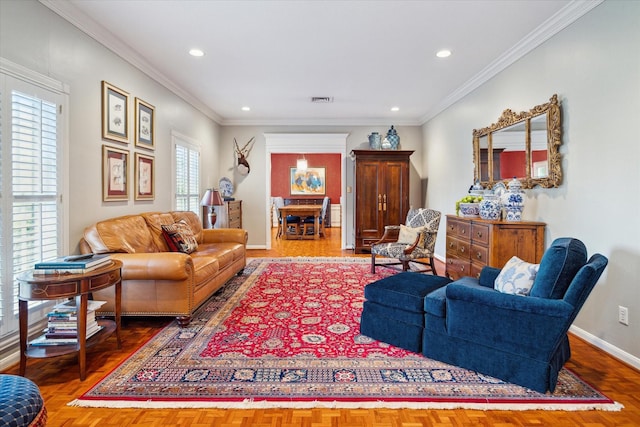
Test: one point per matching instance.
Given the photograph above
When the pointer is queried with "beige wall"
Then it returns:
(594, 67)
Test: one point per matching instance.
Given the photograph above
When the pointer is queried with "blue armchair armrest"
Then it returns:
(534, 326)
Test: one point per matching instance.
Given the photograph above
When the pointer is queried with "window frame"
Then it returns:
(178, 139)
(14, 77)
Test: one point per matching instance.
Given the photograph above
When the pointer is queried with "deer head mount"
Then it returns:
(243, 165)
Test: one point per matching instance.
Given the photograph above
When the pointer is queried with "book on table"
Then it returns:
(62, 324)
(71, 265)
(74, 261)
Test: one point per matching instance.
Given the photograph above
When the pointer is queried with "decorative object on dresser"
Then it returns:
(525, 145)
(212, 198)
(473, 243)
(514, 201)
(381, 193)
(392, 140)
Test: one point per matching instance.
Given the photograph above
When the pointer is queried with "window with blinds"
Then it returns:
(30, 195)
(187, 176)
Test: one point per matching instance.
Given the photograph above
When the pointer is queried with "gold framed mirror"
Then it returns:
(524, 145)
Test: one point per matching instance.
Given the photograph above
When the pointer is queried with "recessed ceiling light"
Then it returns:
(196, 52)
(443, 53)
(245, 108)
(395, 108)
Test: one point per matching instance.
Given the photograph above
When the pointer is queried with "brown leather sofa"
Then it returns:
(155, 281)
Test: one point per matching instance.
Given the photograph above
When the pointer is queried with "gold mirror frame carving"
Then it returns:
(554, 140)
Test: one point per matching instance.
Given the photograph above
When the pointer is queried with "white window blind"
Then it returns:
(30, 190)
(187, 175)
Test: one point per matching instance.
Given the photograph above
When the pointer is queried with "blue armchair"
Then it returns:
(519, 339)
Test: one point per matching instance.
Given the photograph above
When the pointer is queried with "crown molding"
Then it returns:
(96, 31)
(562, 19)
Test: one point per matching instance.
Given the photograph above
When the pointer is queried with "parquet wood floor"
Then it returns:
(59, 384)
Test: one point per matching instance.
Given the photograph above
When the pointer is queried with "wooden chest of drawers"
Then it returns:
(473, 243)
(234, 213)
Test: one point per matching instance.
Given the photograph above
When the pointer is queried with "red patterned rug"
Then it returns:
(286, 334)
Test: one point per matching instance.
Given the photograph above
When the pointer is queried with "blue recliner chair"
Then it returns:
(519, 339)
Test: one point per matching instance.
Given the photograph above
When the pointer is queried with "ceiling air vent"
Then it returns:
(321, 99)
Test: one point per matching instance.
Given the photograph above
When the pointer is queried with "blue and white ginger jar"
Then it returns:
(490, 207)
(393, 138)
(514, 200)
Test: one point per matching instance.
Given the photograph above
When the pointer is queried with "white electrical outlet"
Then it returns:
(623, 315)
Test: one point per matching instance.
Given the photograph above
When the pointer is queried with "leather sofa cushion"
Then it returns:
(155, 221)
(225, 253)
(128, 234)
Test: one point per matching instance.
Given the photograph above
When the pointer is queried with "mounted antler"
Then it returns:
(243, 153)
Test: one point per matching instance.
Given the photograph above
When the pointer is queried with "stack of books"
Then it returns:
(71, 264)
(62, 324)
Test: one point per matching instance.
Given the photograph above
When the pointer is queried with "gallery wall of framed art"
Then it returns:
(115, 159)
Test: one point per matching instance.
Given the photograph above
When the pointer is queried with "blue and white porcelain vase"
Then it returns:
(374, 141)
(490, 206)
(393, 138)
(514, 200)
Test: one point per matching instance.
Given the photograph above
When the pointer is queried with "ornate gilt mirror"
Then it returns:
(523, 145)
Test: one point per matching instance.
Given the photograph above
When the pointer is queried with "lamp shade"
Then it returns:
(301, 164)
(212, 198)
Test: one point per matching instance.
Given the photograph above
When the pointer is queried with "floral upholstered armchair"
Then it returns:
(413, 241)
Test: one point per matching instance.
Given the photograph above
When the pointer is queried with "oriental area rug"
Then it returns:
(285, 334)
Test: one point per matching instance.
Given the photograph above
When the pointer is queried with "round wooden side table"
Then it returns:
(79, 286)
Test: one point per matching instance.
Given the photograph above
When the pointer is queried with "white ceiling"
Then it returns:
(273, 56)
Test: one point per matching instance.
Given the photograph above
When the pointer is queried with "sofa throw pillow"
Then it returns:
(179, 237)
(516, 277)
(408, 235)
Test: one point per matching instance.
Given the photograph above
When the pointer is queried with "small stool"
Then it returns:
(21, 403)
(394, 308)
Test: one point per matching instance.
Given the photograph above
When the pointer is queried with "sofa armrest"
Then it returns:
(218, 235)
(155, 266)
(516, 323)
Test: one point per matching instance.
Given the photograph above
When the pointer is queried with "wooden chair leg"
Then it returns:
(405, 265)
(433, 266)
(373, 263)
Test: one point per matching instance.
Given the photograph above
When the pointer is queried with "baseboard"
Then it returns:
(608, 348)
(256, 246)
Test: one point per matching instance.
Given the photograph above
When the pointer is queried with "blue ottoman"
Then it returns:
(21, 403)
(394, 308)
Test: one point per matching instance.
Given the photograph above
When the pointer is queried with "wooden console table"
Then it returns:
(57, 286)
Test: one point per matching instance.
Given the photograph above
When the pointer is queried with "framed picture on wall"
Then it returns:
(145, 177)
(115, 173)
(115, 113)
(145, 124)
(308, 182)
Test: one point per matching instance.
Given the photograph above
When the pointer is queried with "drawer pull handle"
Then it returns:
(463, 231)
(479, 233)
(462, 249)
(462, 268)
(450, 244)
(479, 255)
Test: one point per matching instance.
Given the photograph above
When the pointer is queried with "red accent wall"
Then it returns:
(512, 163)
(282, 163)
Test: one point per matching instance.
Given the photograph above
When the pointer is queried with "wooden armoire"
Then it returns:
(381, 193)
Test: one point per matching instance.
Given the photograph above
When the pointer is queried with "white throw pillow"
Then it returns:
(408, 235)
(516, 277)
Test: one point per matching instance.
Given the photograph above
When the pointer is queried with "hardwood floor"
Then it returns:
(59, 383)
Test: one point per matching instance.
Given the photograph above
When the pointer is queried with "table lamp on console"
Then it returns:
(212, 198)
